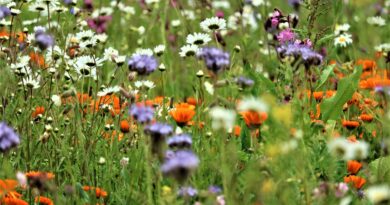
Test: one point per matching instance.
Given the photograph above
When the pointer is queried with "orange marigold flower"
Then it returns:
(350, 124)
(125, 126)
(38, 111)
(100, 193)
(43, 200)
(192, 101)
(316, 95)
(368, 65)
(353, 166)
(182, 114)
(37, 59)
(356, 181)
(254, 119)
(7, 188)
(34, 174)
(366, 117)
(12, 201)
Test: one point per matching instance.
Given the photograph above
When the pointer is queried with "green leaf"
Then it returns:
(325, 39)
(332, 108)
(325, 75)
(380, 169)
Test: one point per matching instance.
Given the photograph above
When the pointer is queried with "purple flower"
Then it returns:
(180, 165)
(8, 137)
(180, 141)
(43, 39)
(88, 5)
(214, 189)
(142, 113)
(158, 132)
(4, 12)
(303, 51)
(99, 24)
(341, 189)
(214, 58)
(142, 64)
(244, 82)
(187, 192)
(286, 36)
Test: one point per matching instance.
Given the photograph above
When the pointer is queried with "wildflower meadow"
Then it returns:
(194, 102)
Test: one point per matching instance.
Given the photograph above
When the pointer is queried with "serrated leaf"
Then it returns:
(332, 108)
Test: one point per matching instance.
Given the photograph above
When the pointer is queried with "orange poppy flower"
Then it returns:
(12, 201)
(254, 119)
(353, 166)
(100, 193)
(182, 114)
(316, 95)
(110, 100)
(350, 124)
(125, 126)
(4, 34)
(33, 174)
(43, 200)
(366, 117)
(237, 130)
(38, 111)
(356, 181)
(192, 101)
(37, 59)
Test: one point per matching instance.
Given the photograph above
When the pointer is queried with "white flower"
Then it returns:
(22, 62)
(209, 87)
(87, 44)
(124, 161)
(175, 23)
(220, 4)
(104, 11)
(102, 160)
(159, 50)
(110, 54)
(252, 104)
(143, 51)
(85, 35)
(144, 84)
(198, 38)
(22, 179)
(343, 40)
(109, 91)
(56, 100)
(101, 37)
(141, 30)
(188, 50)
(341, 29)
(31, 82)
(85, 66)
(212, 24)
(376, 21)
(347, 150)
(222, 118)
(188, 14)
(151, 1)
(258, 2)
(120, 60)
(378, 194)
(383, 47)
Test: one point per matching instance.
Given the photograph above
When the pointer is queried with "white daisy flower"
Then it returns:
(104, 11)
(30, 82)
(101, 38)
(159, 50)
(143, 51)
(383, 47)
(213, 24)
(376, 21)
(37, 7)
(341, 29)
(110, 54)
(3, 22)
(220, 4)
(175, 23)
(253, 104)
(378, 194)
(119, 60)
(198, 39)
(109, 91)
(188, 50)
(23, 61)
(144, 84)
(258, 2)
(347, 150)
(343, 40)
(88, 44)
(222, 118)
(56, 99)
(85, 35)
(152, 1)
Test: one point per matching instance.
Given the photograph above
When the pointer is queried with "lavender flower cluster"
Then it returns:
(8, 137)
(214, 58)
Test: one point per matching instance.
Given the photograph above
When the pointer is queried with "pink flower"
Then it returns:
(286, 36)
(99, 24)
